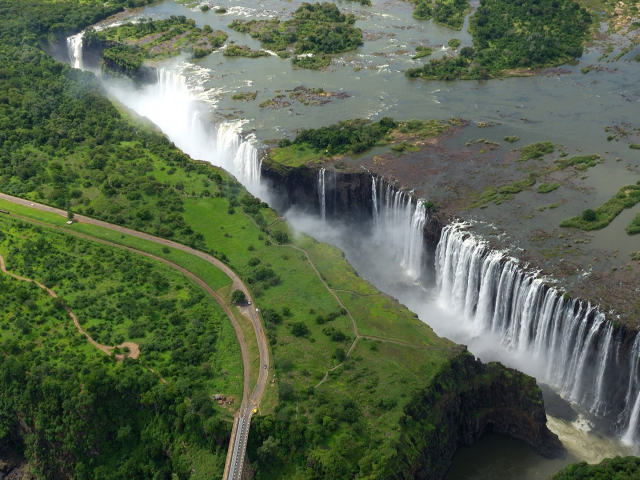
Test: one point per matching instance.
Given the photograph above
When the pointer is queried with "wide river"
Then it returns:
(562, 106)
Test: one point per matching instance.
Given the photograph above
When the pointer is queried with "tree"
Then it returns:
(299, 329)
(70, 215)
(238, 297)
(589, 215)
(268, 452)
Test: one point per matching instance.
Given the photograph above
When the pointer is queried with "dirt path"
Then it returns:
(134, 351)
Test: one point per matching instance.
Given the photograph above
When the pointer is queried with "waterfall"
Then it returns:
(374, 201)
(238, 156)
(569, 340)
(633, 395)
(414, 242)
(398, 223)
(322, 194)
(74, 48)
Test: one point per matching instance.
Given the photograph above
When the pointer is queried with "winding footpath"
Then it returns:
(250, 401)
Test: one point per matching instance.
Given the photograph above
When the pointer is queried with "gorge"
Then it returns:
(566, 343)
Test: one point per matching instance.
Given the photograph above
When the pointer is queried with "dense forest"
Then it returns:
(449, 13)
(316, 31)
(618, 468)
(79, 413)
(510, 35)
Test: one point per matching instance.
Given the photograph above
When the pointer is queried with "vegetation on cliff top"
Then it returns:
(510, 36)
(129, 45)
(349, 137)
(315, 32)
(618, 468)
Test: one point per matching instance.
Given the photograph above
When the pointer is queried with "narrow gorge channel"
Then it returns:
(439, 267)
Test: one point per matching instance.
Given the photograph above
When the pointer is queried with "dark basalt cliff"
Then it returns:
(464, 401)
(347, 195)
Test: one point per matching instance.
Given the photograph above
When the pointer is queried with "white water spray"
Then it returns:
(399, 224)
(567, 342)
(74, 48)
(322, 194)
(633, 394)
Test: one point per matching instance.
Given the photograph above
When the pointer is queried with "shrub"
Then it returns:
(589, 215)
(238, 297)
(299, 329)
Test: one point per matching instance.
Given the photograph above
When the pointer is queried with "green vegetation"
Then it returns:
(635, 146)
(497, 195)
(315, 32)
(422, 51)
(449, 13)
(526, 35)
(127, 47)
(454, 43)
(512, 139)
(244, 96)
(243, 51)
(535, 150)
(351, 137)
(63, 143)
(580, 162)
(627, 197)
(634, 226)
(546, 188)
(618, 468)
(51, 373)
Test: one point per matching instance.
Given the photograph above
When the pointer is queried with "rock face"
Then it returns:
(463, 402)
(347, 195)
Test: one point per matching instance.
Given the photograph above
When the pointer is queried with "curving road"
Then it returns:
(250, 402)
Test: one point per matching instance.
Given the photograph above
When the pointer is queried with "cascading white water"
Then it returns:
(322, 194)
(374, 200)
(399, 224)
(74, 48)
(633, 394)
(238, 156)
(568, 341)
(414, 242)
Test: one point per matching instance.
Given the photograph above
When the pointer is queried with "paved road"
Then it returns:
(251, 401)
